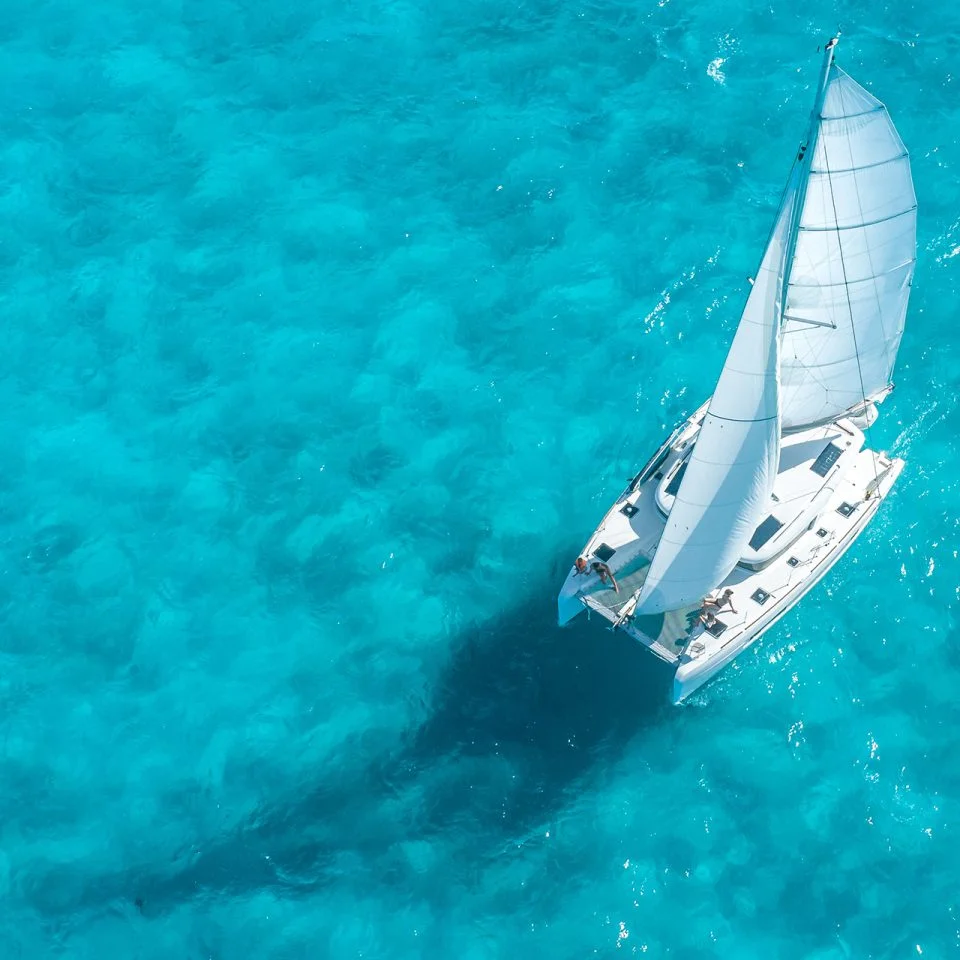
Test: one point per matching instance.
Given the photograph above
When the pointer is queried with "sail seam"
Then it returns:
(846, 283)
(866, 166)
(833, 363)
(857, 226)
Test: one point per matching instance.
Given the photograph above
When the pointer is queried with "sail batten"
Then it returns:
(846, 283)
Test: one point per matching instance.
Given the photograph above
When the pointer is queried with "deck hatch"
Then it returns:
(760, 596)
(715, 628)
(604, 552)
(828, 457)
(822, 532)
(764, 532)
(793, 562)
(846, 509)
(629, 510)
(674, 485)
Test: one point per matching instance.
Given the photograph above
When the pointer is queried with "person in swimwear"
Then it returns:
(711, 606)
(603, 571)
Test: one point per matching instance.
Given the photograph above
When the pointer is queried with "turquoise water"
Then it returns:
(331, 330)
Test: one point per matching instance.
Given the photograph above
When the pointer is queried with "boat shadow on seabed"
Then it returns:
(522, 714)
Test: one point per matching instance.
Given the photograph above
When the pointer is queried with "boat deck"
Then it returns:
(627, 538)
(665, 634)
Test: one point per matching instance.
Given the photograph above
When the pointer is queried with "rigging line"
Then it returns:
(904, 155)
(846, 284)
(866, 228)
(794, 248)
(811, 353)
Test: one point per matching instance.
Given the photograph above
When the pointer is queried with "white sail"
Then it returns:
(730, 474)
(855, 250)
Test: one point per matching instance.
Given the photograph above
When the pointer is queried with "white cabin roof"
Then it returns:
(811, 463)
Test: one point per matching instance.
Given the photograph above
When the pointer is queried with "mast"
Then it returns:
(807, 150)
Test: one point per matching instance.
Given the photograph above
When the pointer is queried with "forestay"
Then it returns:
(848, 288)
(732, 468)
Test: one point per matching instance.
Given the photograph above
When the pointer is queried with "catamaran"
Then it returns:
(750, 501)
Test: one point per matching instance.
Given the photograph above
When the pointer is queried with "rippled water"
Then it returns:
(331, 330)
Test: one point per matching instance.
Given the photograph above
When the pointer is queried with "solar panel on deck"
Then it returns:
(764, 532)
(828, 457)
(674, 485)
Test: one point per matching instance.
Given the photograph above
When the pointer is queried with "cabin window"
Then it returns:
(674, 485)
(653, 469)
(764, 532)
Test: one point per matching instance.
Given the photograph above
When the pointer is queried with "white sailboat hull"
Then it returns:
(693, 674)
(766, 489)
(823, 502)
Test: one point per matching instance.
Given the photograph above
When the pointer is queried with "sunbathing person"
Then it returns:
(712, 606)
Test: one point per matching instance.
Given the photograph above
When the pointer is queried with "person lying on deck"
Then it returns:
(712, 605)
(603, 571)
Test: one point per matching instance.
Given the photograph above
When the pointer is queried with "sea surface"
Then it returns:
(329, 332)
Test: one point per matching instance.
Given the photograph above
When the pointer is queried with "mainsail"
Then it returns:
(818, 336)
(731, 470)
(855, 250)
